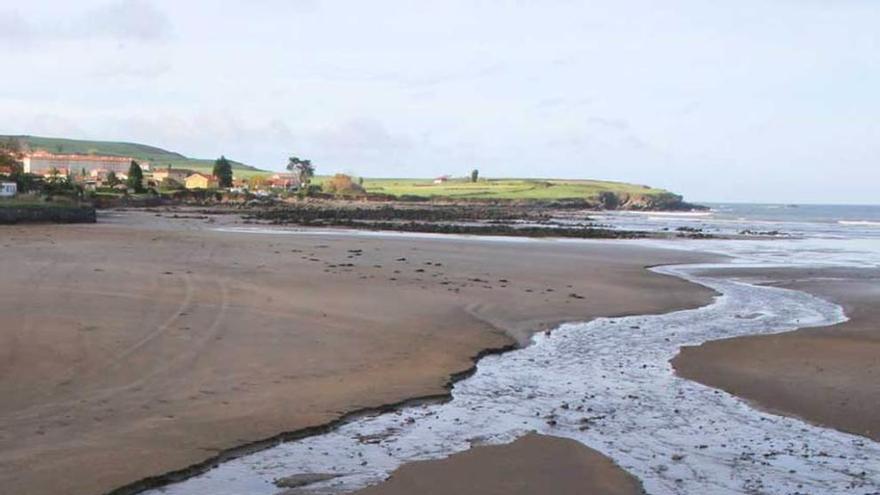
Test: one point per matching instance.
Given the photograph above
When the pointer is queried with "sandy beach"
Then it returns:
(532, 464)
(142, 344)
(827, 376)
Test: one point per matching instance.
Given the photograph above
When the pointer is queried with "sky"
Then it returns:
(739, 100)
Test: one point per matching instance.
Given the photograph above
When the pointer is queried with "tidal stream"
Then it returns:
(609, 385)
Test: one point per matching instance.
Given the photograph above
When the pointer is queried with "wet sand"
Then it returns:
(828, 376)
(530, 465)
(142, 345)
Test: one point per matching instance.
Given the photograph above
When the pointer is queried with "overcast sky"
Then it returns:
(743, 100)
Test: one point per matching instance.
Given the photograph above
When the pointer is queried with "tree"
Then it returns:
(258, 182)
(135, 177)
(112, 180)
(475, 174)
(170, 183)
(303, 169)
(10, 153)
(10, 159)
(223, 172)
(342, 185)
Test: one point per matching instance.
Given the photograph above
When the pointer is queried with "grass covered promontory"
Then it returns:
(603, 194)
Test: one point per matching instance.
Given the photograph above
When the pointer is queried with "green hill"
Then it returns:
(607, 194)
(157, 157)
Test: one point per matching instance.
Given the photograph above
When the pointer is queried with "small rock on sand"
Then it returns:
(298, 480)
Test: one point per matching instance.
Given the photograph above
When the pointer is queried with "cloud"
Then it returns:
(126, 19)
(145, 69)
(119, 20)
(13, 27)
(361, 134)
(360, 141)
(609, 123)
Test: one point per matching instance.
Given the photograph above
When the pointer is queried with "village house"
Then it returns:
(201, 181)
(443, 179)
(42, 162)
(284, 181)
(178, 175)
(99, 177)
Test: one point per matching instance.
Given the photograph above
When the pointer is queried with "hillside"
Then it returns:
(607, 194)
(604, 194)
(157, 157)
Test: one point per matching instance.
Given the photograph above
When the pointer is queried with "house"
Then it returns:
(8, 189)
(442, 179)
(101, 177)
(178, 175)
(284, 181)
(100, 174)
(201, 181)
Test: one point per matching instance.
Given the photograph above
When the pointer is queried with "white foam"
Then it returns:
(859, 222)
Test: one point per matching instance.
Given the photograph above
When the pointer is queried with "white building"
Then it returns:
(41, 162)
(8, 189)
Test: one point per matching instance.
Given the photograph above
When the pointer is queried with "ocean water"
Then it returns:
(608, 383)
(814, 221)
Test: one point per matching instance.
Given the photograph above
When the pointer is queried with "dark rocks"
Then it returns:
(47, 213)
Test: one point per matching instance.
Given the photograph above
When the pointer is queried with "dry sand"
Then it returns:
(534, 464)
(142, 345)
(830, 375)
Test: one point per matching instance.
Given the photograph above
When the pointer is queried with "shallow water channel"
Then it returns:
(609, 385)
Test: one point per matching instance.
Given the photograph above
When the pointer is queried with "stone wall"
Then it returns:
(47, 213)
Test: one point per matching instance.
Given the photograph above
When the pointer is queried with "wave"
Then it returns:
(672, 214)
(871, 223)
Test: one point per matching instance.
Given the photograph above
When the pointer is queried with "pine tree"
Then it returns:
(223, 172)
(135, 177)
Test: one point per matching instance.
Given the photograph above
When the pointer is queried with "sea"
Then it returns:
(846, 235)
(833, 221)
(608, 384)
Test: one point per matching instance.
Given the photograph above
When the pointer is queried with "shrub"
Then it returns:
(343, 185)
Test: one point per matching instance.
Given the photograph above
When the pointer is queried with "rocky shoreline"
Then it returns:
(10, 215)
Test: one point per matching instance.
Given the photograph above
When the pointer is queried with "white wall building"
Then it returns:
(41, 162)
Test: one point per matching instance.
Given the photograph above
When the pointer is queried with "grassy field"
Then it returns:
(534, 189)
(157, 157)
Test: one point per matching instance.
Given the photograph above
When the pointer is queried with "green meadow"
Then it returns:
(508, 189)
